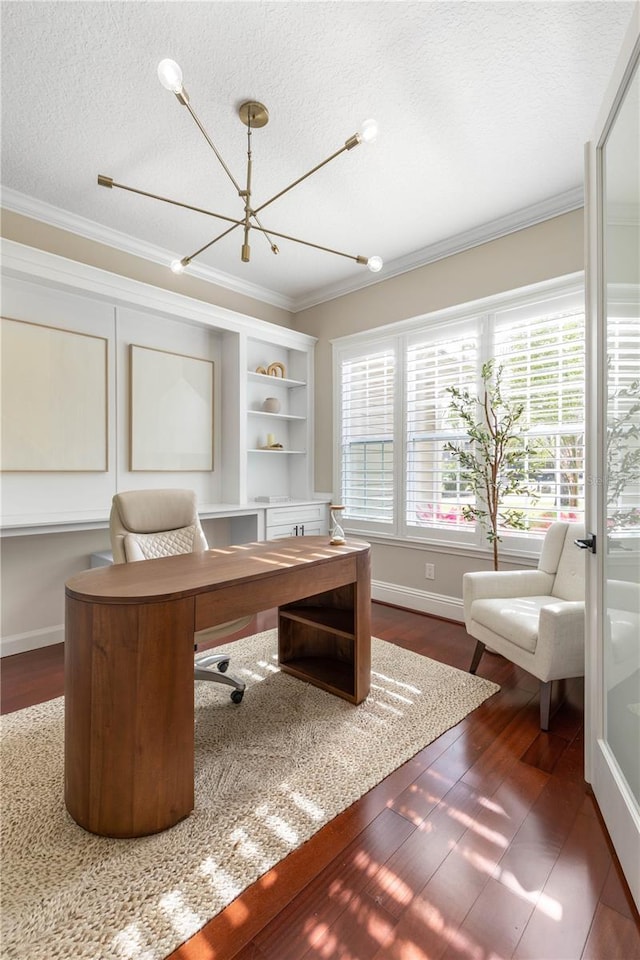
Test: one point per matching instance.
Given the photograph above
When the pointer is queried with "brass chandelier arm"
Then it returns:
(211, 144)
(186, 260)
(265, 233)
(109, 182)
(348, 145)
(105, 181)
(317, 246)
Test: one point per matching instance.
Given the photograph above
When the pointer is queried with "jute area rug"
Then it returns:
(269, 774)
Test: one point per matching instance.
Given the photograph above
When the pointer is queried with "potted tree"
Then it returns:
(492, 464)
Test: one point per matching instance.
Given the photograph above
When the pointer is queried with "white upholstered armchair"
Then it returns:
(148, 524)
(534, 618)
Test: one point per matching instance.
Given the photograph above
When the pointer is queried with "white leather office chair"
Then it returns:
(147, 524)
(534, 618)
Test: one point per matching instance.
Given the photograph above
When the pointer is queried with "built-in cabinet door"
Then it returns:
(613, 481)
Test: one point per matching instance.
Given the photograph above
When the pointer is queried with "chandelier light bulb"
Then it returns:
(177, 266)
(170, 75)
(375, 264)
(368, 131)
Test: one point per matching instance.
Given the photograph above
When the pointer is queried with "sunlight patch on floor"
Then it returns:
(396, 683)
(471, 824)
(486, 865)
(277, 825)
(457, 940)
(492, 806)
(251, 674)
(183, 919)
(128, 944)
(392, 693)
(308, 806)
(391, 884)
(221, 881)
(387, 708)
(268, 666)
(548, 905)
(247, 848)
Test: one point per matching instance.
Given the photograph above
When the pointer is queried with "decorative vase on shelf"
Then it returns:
(277, 369)
(271, 405)
(336, 533)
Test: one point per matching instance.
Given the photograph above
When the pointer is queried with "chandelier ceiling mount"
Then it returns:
(253, 115)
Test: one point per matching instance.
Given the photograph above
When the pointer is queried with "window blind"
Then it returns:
(367, 388)
(435, 490)
(543, 358)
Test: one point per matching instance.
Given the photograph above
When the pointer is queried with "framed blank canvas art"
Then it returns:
(54, 399)
(171, 399)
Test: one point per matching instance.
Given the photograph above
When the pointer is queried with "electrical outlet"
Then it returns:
(429, 571)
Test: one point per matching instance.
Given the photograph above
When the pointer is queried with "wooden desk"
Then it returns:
(129, 700)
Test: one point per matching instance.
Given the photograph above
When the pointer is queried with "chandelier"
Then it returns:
(253, 115)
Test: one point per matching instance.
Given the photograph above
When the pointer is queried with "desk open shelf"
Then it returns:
(319, 642)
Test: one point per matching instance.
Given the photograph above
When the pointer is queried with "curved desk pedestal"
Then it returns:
(129, 699)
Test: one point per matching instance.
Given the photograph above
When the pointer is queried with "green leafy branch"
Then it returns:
(493, 465)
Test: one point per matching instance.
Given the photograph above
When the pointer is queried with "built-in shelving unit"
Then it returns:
(49, 290)
(286, 420)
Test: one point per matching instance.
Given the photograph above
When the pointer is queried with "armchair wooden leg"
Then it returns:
(545, 703)
(477, 654)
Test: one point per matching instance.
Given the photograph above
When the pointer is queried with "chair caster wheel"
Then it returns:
(237, 696)
(223, 666)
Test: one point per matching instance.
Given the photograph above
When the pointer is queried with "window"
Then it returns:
(393, 415)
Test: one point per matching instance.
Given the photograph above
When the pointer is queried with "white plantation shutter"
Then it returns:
(394, 415)
(542, 351)
(367, 388)
(435, 492)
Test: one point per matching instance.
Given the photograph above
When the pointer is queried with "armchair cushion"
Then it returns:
(516, 619)
(505, 584)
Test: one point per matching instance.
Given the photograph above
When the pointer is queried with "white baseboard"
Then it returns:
(436, 604)
(32, 640)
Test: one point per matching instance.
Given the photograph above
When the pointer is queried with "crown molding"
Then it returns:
(32, 264)
(56, 217)
(493, 230)
(526, 217)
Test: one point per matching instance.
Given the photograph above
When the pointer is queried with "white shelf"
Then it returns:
(276, 416)
(276, 450)
(275, 381)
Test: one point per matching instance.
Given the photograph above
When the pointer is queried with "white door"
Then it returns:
(613, 476)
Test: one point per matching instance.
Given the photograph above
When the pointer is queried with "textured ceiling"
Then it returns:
(483, 110)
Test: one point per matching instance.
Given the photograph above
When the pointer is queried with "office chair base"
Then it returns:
(202, 672)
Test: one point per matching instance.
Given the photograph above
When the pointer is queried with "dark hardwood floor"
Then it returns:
(486, 845)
